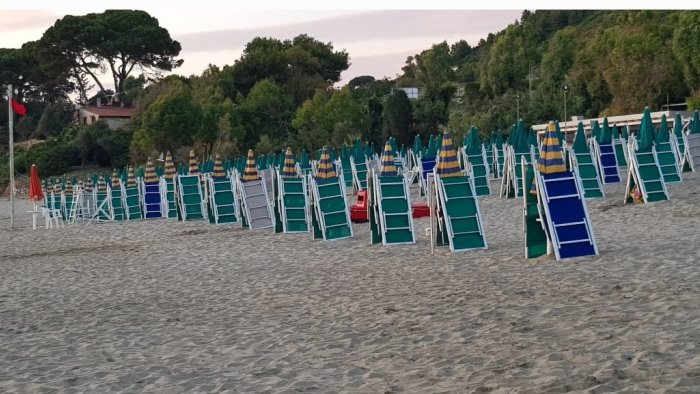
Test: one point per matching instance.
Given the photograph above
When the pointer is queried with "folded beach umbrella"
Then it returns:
(89, 185)
(150, 175)
(325, 166)
(388, 167)
(605, 136)
(551, 161)
(560, 134)
(615, 132)
(218, 171)
(448, 165)
(626, 132)
(115, 179)
(695, 125)
(417, 145)
(131, 180)
(69, 187)
(101, 185)
(472, 142)
(194, 167)
(251, 172)
(290, 168)
(170, 170)
(663, 136)
(595, 130)
(645, 136)
(678, 126)
(532, 138)
(431, 151)
(499, 139)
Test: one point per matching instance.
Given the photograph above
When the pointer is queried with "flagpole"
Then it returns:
(10, 115)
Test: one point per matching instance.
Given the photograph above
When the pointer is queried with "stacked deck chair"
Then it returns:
(562, 204)
(103, 202)
(457, 204)
(488, 148)
(190, 193)
(604, 152)
(645, 182)
(581, 159)
(305, 163)
(346, 168)
(360, 166)
(426, 164)
(518, 150)
(691, 154)
(678, 138)
(536, 239)
(222, 195)
(53, 201)
(254, 199)
(152, 193)
(666, 154)
(292, 199)
(390, 204)
(330, 214)
(620, 146)
(499, 156)
(533, 144)
(167, 188)
(413, 154)
(476, 163)
(116, 198)
(132, 197)
(70, 202)
(86, 200)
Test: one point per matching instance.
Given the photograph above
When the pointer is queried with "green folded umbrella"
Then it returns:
(645, 136)
(663, 135)
(473, 142)
(605, 134)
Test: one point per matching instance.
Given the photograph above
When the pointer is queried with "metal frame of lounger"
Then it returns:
(634, 174)
(379, 198)
(321, 216)
(282, 192)
(692, 145)
(230, 187)
(245, 203)
(469, 167)
(199, 193)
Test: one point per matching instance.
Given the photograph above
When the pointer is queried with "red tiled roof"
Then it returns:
(111, 112)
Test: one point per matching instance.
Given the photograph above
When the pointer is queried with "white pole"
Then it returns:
(12, 156)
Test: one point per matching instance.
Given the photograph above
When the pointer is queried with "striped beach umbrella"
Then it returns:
(325, 167)
(290, 168)
(115, 179)
(69, 187)
(251, 172)
(89, 185)
(551, 161)
(388, 167)
(170, 170)
(57, 187)
(194, 167)
(150, 175)
(218, 168)
(448, 165)
(101, 185)
(131, 180)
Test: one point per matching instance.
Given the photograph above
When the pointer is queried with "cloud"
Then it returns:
(14, 20)
(378, 25)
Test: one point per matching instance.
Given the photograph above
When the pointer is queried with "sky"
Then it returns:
(378, 41)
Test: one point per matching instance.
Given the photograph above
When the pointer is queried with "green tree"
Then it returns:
(398, 118)
(116, 40)
(266, 110)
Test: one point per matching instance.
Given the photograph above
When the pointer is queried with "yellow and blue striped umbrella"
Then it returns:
(251, 172)
(448, 165)
(150, 176)
(69, 187)
(290, 168)
(218, 168)
(131, 180)
(101, 184)
(115, 179)
(170, 170)
(551, 161)
(325, 167)
(194, 166)
(89, 185)
(388, 165)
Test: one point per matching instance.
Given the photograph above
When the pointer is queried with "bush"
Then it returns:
(51, 157)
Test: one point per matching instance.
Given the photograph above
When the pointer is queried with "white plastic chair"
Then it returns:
(51, 217)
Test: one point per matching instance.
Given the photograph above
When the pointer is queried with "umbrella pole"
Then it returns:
(10, 114)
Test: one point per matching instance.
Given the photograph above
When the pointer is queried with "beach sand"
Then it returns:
(172, 307)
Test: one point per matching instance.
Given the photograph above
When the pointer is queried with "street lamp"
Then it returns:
(566, 88)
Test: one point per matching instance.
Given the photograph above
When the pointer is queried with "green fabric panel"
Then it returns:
(395, 206)
(456, 208)
(338, 232)
(170, 196)
(117, 205)
(292, 186)
(133, 203)
(398, 236)
(297, 226)
(191, 198)
(620, 155)
(667, 162)
(332, 200)
(468, 241)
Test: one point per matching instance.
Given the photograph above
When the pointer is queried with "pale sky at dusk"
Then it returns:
(378, 41)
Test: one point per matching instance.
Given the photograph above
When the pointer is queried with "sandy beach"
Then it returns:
(172, 307)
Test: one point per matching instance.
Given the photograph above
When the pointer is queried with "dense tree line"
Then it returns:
(283, 92)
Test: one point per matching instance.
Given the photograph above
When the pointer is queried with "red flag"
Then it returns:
(18, 108)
